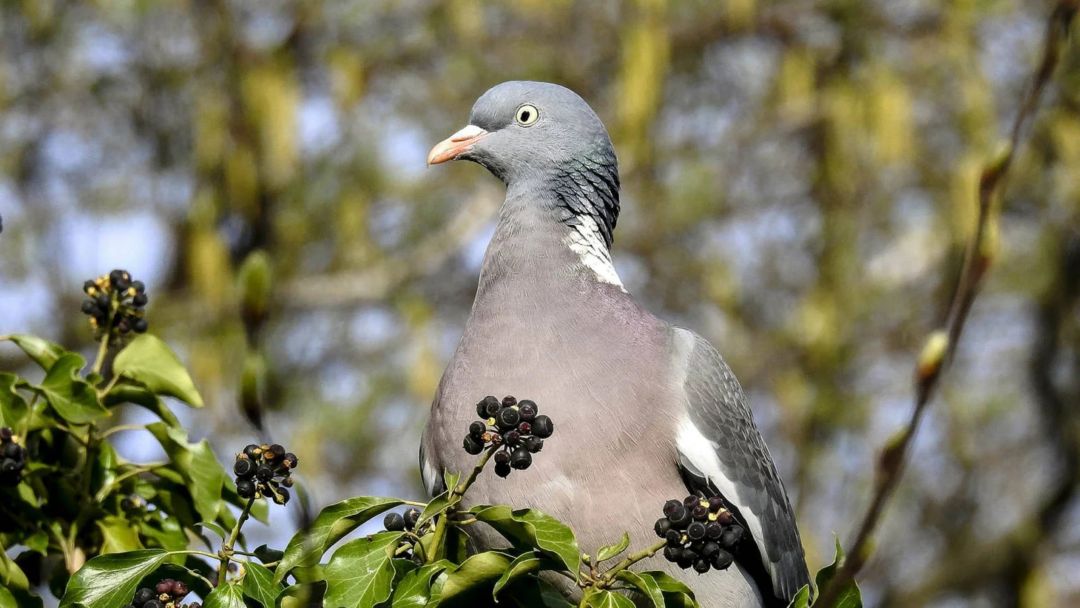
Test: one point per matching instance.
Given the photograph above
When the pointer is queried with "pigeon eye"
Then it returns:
(526, 115)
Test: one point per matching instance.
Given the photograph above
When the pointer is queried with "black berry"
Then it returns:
(502, 470)
(672, 508)
(511, 438)
(696, 531)
(673, 538)
(491, 407)
(672, 553)
(534, 444)
(731, 536)
(709, 549)
(542, 427)
(244, 468)
(472, 446)
(521, 458)
(508, 418)
(722, 559)
(252, 451)
(264, 473)
(509, 401)
(527, 409)
(394, 522)
(412, 515)
(245, 488)
(701, 566)
(701, 512)
(502, 457)
(477, 429)
(144, 595)
(713, 530)
(662, 526)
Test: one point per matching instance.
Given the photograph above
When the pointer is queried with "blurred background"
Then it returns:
(799, 180)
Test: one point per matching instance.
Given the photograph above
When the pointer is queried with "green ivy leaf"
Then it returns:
(18, 599)
(532, 561)
(127, 392)
(802, 598)
(301, 595)
(334, 522)
(11, 576)
(225, 596)
(414, 589)
(609, 551)
(645, 583)
(13, 408)
(118, 535)
(152, 363)
(72, 397)
(197, 464)
(259, 584)
(108, 581)
(474, 573)
(849, 596)
(533, 528)
(43, 352)
(215, 528)
(608, 599)
(361, 572)
(266, 554)
(676, 593)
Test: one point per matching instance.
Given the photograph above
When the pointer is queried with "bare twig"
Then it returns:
(942, 344)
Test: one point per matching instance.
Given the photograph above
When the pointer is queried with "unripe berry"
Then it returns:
(394, 522)
(164, 586)
(512, 438)
(521, 458)
(179, 589)
(716, 503)
(542, 426)
(725, 518)
(524, 428)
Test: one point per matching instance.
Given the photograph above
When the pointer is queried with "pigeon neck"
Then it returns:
(559, 222)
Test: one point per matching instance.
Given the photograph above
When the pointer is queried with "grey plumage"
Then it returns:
(639, 405)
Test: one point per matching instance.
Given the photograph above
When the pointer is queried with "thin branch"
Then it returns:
(941, 345)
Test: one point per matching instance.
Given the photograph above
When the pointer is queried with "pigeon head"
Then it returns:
(543, 136)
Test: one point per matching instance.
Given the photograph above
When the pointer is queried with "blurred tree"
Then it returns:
(798, 178)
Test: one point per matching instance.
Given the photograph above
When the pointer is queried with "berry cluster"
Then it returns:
(12, 458)
(166, 594)
(700, 532)
(514, 430)
(397, 522)
(264, 469)
(115, 303)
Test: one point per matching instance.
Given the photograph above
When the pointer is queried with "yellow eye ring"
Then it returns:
(526, 115)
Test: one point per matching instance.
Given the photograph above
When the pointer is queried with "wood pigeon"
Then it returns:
(644, 411)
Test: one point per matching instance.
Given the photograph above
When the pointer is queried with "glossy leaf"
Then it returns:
(849, 596)
(13, 408)
(151, 362)
(676, 593)
(608, 599)
(226, 596)
(11, 576)
(118, 535)
(127, 392)
(108, 581)
(414, 589)
(523, 564)
(476, 572)
(43, 352)
(69, 395)
(197, 464)
(307, 547)
(645, 583)
(361, 572)
(259, 584)
(531, 528)
(609, 551)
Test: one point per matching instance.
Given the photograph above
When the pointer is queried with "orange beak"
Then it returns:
(455, 145)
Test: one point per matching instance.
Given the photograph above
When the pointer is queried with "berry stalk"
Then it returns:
(454, 498)
(227, 547)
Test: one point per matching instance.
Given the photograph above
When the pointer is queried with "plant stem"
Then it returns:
(455, 497)
(609, 575)
(103, 349)
(227, 547)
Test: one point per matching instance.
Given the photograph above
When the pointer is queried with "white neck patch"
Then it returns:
(584, 239)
